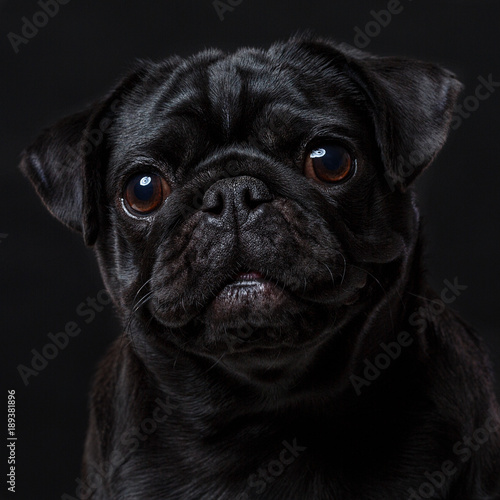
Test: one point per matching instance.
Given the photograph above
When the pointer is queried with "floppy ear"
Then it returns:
(56, 165)
(412, 106)
(66, 162)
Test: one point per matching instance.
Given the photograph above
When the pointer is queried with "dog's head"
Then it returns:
(237, 203)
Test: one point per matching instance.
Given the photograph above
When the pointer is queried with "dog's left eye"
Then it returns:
(329, 163)
(144, 193)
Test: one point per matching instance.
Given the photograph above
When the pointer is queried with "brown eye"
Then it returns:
(329, 163)
(144, 193)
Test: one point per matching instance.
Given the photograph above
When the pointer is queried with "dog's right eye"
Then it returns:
(144, 193)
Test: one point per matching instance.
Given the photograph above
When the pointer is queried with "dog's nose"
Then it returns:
(237, 196)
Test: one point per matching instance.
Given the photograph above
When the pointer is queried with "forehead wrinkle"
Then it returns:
(225, 86)
(176, 95)
(180, 85)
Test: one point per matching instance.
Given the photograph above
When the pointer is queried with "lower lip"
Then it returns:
(242, 289)
(245, 283)
(251, 276)
(248, 291)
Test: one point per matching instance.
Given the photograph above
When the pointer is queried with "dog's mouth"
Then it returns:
(247, 278)
(244, 283)
(249, 295)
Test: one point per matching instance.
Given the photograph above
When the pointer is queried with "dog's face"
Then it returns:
(253, 203)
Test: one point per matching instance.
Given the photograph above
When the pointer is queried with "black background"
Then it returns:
(81, 52)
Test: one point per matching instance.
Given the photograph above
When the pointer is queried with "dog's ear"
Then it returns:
(55, 164)
(412, 106)
(66, 162)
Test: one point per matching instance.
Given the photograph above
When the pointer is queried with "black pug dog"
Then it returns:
(254, 224)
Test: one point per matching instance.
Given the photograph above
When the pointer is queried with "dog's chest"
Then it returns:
(291, 469)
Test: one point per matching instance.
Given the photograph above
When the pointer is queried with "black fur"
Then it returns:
(195, 401)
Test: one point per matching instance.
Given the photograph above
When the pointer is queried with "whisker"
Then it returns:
(345, 268)
(331, 274)
(142, 302)
(215, 364)
(139, 291)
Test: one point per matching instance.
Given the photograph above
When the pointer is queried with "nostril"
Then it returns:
(254, 196)
(213, 203)
(251, 202)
